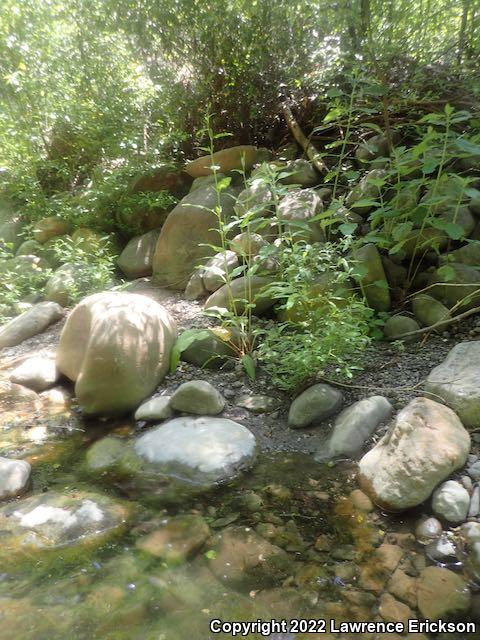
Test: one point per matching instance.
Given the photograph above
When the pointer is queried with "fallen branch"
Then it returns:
(438, 325)
(312, 152)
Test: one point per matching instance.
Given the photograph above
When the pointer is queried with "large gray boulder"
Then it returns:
(456, 382)
(116, 347)
(136, 260)
(29, 323)
(189, 236)
(425, 444)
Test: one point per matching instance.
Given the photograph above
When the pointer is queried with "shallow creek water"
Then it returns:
(285, 542)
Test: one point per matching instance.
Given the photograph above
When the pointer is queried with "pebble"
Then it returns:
(428, 529)
(474, 471)
(474, 507)
(467, 483)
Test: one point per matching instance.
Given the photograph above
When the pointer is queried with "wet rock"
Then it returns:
(58, 521)
(355, 425)
(136, 260)
(245, 288)
(242, 156)
(116, 348)
(428, 529)
(157, 408)
(14, 478)
(246, 561)
(393, 610)
(451, 501)
(37, 373)
(403, 587)
(442, 551)
(398, 325)
(188, 236)
(314, 405)
(176, 460)
(15, 396)
(374, 283)
(429, 311)
(178, 538)
(29, 323)
(257, 404)
(198, 397)
(361, 501)
(457, 382)
(425, 444)
(442, 594)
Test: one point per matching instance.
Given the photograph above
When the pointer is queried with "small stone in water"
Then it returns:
(474, 507)
(474, 471)
(442, 551)
(427, 530)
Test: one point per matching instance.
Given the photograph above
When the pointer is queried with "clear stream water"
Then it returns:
(117, 591)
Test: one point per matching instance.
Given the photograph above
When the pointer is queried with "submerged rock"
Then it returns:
(177, 539)
(425, 444)
(246, 560)
(442, 593)
(178, 459)
(457, 382)
(14, 478)
(58, 521)
(314, 405)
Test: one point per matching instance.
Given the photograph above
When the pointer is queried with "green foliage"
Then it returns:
(327, 325)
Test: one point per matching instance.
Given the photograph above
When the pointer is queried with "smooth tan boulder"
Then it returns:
(226, 160)
(190, 235)
(116, 347)
(49, 228)
(426, 443)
